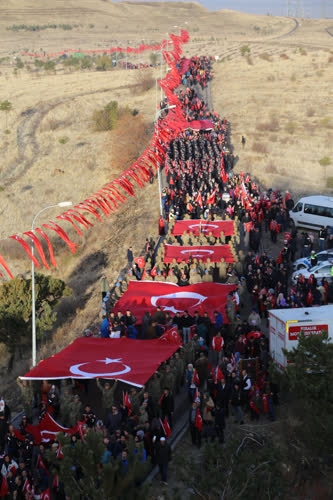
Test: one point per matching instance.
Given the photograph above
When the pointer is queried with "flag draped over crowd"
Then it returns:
(197, 226)
(143, 296)
(108, 198)
(202, 252)
(123, 359)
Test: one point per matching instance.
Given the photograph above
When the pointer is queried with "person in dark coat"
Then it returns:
(130, 256)
(219, 421)
(167, 405)
(114, 419)
(162, 457)
(223, 396)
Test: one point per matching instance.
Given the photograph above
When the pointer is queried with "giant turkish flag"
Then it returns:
(203, 252)
(196, 226)
(128, 360)
(201, 125)
(142, 296)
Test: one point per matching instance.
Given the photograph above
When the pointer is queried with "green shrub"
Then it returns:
(49, 66)
(106, 118)
(245, 49)
(19, 63)
(39, 63)
(325, 161)
(103, 63)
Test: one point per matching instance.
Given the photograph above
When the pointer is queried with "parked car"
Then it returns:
(304, 262)
(322, 270)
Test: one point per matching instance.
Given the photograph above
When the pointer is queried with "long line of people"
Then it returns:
(222, 365)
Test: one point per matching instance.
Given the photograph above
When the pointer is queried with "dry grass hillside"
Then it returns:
(272, 81)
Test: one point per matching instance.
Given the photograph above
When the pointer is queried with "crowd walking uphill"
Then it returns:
(221, 368)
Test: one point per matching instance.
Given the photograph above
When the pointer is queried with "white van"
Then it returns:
(313, 212)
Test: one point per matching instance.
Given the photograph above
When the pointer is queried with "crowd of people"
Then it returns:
(221, 366)
(197, 70)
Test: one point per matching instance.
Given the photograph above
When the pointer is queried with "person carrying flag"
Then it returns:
(196, 424)
(162, 457)
(217, 348)
(167, 405)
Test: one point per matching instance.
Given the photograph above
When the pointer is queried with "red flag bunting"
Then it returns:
(4, 265)
(54, 227)
(26, 248)
(38, 246)
(49, 245)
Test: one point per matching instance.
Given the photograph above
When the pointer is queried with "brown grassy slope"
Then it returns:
(101, 23)
(283, 104)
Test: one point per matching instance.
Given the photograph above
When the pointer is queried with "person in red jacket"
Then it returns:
(217, 348)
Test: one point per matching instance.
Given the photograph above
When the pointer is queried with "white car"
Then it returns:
(322, 270)
(304, 262)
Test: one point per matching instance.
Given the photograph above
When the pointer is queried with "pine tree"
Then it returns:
(309, 377)
(15, 308)
(84, 476)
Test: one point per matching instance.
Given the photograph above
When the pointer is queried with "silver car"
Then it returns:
(304, 262)
(320, 271)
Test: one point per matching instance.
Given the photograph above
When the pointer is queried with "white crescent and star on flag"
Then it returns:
(177, 296)
(205, 228)
(197, 252)
(95, 368)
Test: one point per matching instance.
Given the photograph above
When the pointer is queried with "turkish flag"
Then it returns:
(4, 487)
(166, 427)
(200, 125)
(140, 261)
(204, 252)
(254, 335)
(26, 488)
(59, 453)
(197, 226)
(153, 272)
(46, 495)
(55, 483)
(198, 421)
(127, 403)
(211, 198)
(142, 296)
(172, 336)
(193, 330)
(196, 379)
(216, 374)
(254, 407)
(41, 464)
(265, 403)
(49, 429)
(18, 435)
(248, 226)
(128, 360)
(199, 200)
